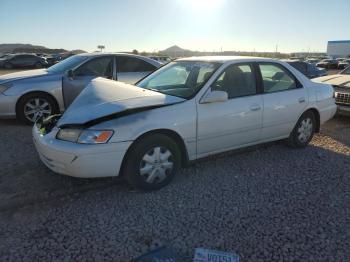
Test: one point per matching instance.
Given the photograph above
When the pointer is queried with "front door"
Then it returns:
(235, 122)
(96, 67)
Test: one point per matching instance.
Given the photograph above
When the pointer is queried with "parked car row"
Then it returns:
(308, 69)
(341, 63)
(31, 60)
(188, 109)
(161, 59)
(22, 61)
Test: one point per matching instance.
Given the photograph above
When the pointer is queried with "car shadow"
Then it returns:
(338, 128)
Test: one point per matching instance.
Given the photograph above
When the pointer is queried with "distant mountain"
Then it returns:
(8, 48)
(28, 48)
(175, 49)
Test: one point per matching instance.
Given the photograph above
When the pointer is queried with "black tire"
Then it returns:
(8, 66)
(134, 162)
(296, 138)
(38, 65)
(20, 109)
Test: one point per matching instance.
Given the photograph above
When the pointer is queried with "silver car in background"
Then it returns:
(29, 95)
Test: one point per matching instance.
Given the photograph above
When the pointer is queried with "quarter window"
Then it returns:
(237, 81)
(133, 64)
(275, 78)
(101, 66)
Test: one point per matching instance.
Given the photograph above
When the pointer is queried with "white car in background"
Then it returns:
(188, 109)
(341, 86)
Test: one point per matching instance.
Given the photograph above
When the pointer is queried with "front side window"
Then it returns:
(133, 64)
(275, 78)
(237, 81)
(101, 66)
(183, 78)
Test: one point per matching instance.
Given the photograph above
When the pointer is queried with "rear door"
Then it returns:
(284, 100)
(95, 67)
(132, 69)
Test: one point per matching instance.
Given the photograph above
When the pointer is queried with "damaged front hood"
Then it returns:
(103, 98)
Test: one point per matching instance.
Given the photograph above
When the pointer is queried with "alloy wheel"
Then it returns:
(36, 108)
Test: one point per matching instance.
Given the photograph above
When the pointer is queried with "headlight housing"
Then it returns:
(4, 87)
(84, 136)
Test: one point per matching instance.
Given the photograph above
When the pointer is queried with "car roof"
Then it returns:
(107, 53)
(224, 59)
(96, 54)
(292, 61)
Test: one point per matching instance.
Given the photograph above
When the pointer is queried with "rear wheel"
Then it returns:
(38, 65)
(33, 106)
(303, 131)
(152, 162)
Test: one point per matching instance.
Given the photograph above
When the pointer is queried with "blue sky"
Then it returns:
(153, 25)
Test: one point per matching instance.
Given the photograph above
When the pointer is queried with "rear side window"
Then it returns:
(133, 64)
(276, 78)
(101, 66)
(237, 81)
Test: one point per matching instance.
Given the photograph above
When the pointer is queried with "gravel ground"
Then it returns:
(269, 203)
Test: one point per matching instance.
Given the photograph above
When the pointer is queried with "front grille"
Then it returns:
(342, 98)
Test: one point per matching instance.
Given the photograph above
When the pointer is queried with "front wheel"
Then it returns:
(33, 106)
(303, 131)
(152, 162)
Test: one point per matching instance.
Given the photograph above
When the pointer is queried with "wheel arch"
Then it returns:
(317, 118)
(36, 92)
(168, 132)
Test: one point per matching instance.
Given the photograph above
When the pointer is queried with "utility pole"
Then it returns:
(101, 47)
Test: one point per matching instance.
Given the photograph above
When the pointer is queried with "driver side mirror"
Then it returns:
(214, 96)
(70, 74)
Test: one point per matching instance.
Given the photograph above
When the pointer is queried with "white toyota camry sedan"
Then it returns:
(186, 110)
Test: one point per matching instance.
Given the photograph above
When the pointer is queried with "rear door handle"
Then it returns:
(301, 100)
(255, 108)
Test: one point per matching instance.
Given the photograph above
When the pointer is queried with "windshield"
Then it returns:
(183, 78)
(67, 64)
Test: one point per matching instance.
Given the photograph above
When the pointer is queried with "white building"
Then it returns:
(337, 49)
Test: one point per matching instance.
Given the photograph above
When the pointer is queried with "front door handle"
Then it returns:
(255, 108)
(301, 100)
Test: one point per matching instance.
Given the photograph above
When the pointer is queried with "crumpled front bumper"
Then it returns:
(79, 160)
